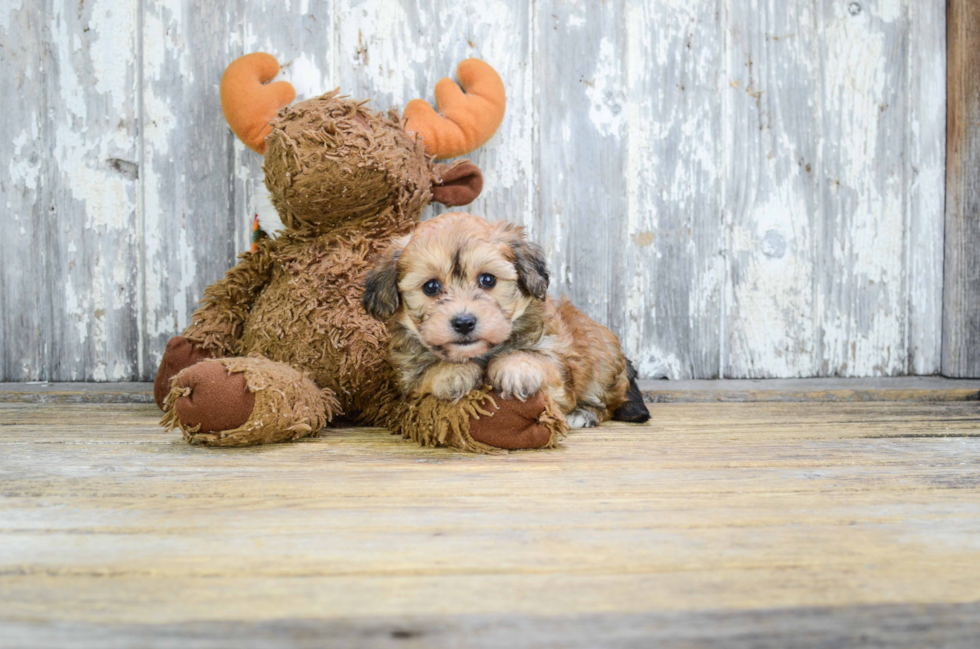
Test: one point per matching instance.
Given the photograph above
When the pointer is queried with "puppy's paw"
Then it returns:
(515, 376)
(581, 418)
(453, 381)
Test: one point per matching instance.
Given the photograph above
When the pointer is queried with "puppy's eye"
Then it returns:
(486, 280)
(431, 287)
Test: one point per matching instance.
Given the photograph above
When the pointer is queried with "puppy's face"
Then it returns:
(458, 284)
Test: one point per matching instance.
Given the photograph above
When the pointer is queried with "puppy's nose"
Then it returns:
(464, 323)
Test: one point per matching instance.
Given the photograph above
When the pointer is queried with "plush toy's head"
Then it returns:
(330, 160)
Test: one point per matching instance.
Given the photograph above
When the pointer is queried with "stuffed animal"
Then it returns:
(281, 346)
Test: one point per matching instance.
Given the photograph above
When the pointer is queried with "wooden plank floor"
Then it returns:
(718, 524)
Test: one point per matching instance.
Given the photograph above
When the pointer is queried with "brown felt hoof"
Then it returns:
(514, 424)
(180, 354)
(217, 400)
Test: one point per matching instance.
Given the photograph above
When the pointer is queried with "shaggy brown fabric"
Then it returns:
(288, 405)
(346, 181)
(211, 399)
(217, 325)
(179, 354)
(330, 160)
(432, 422)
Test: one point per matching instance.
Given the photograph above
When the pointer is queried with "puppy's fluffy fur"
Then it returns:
(466, 304)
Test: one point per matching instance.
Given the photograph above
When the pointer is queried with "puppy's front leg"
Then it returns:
(518, 374)
(450, 381)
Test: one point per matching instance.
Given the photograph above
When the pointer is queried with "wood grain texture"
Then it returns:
(897, 626)
(961, 312)
(193, 226)
(860, 284)
(851, 512)
(736, 188)
(69, 188)
(674, 222)
(771, 202)
(834, 243)
(580, 154)
(901, 388)
(925, 183)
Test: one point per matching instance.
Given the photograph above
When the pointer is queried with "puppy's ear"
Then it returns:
(532, 270)
(381, 299)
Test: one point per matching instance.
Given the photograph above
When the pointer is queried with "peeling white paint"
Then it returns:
(307, 77)
(378, 42)
(605, 93)
(653, 363)
(105, 194)
(927, 155)
(188, 274)
(859, 74)
(889, 10)
(8, 11)
(770, 305)
(112, 50)
(25, 162)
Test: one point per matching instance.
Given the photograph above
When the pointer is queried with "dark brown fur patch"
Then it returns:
(381, 297)
(634, 410)
(458, 271)
(532, 269)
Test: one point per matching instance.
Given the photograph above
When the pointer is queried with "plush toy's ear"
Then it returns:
(381, 299)
(466, 120)
(532, 269)
(249, 102)
(459, 184)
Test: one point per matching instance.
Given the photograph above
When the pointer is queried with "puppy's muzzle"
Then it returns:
(463, 323)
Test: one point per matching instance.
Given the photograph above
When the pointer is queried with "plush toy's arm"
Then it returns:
(217, 325)
(481, 422)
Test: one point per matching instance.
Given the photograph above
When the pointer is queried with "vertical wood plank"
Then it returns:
(193, 227)
(771, 175)
(833, 299)
(580, 83)
(70, 303)
(861, 282)
(926, 132)
(393, 52)
(961, 291)
(24, 168)
(674, 262)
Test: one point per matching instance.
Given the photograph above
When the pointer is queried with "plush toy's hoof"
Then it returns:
(180, 354)
(514, 425)
(216, 400)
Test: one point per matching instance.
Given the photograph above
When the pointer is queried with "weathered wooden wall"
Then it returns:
(741, 188)
(961, 299)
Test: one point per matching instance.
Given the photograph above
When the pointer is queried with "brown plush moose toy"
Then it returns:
(281, 345)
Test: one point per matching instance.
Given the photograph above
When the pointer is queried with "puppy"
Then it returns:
(466, 304)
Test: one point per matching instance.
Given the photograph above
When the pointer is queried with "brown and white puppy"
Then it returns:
(466, 304)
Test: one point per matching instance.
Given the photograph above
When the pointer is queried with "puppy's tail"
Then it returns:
(634, 410)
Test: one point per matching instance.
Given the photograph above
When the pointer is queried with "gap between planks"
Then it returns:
(908, 388)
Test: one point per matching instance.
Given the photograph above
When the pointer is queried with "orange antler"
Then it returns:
(467, 120)
(249, 102)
